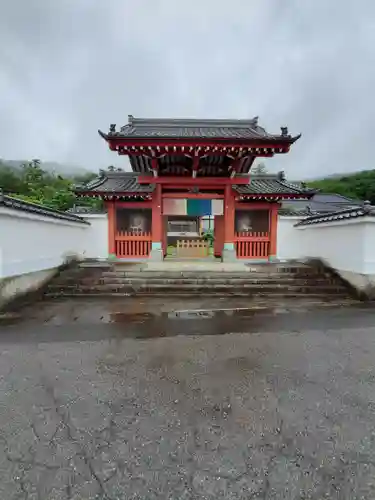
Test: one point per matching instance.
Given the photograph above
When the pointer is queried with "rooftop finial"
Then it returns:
(112, 128)
(281, 175)
(284, 131)
(130, 119)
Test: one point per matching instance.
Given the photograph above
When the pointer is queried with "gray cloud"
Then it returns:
(68, 68)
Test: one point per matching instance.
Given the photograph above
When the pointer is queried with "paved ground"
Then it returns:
(95, 403)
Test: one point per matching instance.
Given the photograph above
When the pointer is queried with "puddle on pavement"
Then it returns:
(90, 320)
(191, 314)
(187, 322)
(217, 313)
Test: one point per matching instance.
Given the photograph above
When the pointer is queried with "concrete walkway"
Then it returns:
(131, 399)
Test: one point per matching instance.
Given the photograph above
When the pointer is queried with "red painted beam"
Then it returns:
(275, 196)
(178, 186)
(203, 196)
(255, 205)
(110, 193)
(189, 181)
(182, 153)
(133, 204)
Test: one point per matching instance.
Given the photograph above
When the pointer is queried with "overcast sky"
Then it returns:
(69, 67)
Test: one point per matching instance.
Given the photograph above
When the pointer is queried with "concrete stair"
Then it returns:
(271, 280)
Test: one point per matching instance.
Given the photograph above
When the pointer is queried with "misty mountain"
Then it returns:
(338, 175)
(50, 167)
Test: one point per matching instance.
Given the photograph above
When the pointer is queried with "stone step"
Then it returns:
(234, 283)
(201, 288)
(210, 293)
(263, 280)
(259, 281)
(212, 275)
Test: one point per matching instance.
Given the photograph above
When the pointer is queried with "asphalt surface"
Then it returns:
(131, 400)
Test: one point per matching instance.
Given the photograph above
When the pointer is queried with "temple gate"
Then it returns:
(184, 171)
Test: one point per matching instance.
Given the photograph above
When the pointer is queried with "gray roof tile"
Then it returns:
(351, 213)
(271, 184)
(25, 206)
(322, 203)
(126, 182)
(336, 199)
(195, 128)
(116, 182)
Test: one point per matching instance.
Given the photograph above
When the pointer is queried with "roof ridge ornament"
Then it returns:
(281, 175)
(112, 129)
(1, 195)
(367, 208)
(130, 119)
(284, 132)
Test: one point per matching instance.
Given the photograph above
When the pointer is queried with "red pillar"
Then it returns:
(228, 215)
(273, 230)
(157, 252)
(229, 252)
(111, 211)
(156, 214)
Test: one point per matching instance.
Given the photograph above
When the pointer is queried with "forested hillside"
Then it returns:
(360, 185)
(32, 183)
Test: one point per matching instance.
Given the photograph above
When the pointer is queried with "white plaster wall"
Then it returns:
(340, 244)
(347, 246)
(369, 247)
(32, 247)
(13, 287)
(288, 243)
(30, 242)
(97, 244)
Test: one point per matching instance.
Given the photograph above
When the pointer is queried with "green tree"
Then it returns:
(359, 185)
(32, 183)
(10, 180)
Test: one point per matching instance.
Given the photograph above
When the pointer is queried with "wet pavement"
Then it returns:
(195, 399)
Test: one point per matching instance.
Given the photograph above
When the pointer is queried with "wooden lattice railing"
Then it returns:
(133, 244)
(252, 245)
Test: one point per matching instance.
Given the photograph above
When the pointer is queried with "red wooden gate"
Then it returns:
(252, 245)
(132, 244)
